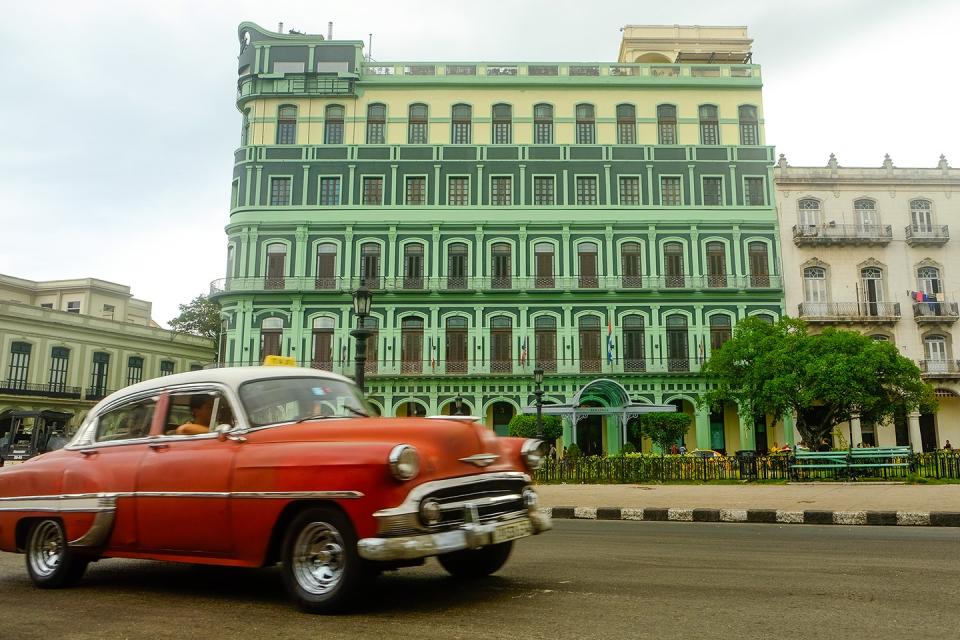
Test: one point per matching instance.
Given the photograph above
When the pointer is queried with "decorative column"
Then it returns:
(790, 432)
(856, 433)
(916, 440)
(702, 422)
(747, 440)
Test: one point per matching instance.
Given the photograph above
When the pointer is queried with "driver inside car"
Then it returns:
(202, 408)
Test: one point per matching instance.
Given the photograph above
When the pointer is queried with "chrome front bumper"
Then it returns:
(466, 536)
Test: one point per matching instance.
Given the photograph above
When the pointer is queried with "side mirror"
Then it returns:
(222, 430)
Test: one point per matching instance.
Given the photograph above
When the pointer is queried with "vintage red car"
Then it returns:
(253, 466)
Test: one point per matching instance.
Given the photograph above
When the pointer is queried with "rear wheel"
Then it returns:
(51, 564)
(476, 563)
(321, 569)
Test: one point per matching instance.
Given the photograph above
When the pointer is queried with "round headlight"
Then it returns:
(430, 512)
(404, 462)
(533, 452)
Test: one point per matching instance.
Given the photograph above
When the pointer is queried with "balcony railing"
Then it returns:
(939, 368)
(307, 84)
(842, 234)
(498, 283)
(927, 234)
(16, 387)
(545, 70)
(850, 311)
(935, 312)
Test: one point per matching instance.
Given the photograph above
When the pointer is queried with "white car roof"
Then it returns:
(231, 377)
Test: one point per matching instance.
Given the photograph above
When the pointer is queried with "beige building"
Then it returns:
(869, 249)
(64, 344)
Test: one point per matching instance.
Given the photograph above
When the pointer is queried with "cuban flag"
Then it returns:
(524, 351)
(609, 342)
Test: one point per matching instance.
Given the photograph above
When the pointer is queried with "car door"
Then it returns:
(107, 462)
(183, 484)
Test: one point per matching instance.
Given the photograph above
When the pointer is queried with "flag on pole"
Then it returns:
(609, 342)
(524, 351)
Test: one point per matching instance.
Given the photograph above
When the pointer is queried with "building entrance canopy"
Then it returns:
(612, 398)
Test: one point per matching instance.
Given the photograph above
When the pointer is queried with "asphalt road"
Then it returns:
(583, 580)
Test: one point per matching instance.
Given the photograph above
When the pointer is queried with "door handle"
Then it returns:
(88, 452)
(156, 446)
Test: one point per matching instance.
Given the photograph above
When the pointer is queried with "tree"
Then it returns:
(524, 425)
(199, 317)
(662, 428)
(824, 379)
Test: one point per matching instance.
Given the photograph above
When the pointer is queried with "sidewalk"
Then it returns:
(827, 503)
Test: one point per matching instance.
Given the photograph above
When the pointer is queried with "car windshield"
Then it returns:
(277, 400)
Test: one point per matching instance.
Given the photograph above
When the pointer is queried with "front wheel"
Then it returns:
(476, 563)
(51, 564)
(321, 569)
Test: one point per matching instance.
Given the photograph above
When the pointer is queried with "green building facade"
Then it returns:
(607, 222)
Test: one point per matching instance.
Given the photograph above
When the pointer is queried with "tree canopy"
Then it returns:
(525, 426)
(824, 379)
(199, 317)
(662, 428)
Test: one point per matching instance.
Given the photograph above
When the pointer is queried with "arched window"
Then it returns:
(586, 124)
(673, 265)
(543, 124)
(370, 265)
(808, 213)
(678, 351)
(326, 276)
(462, 124)
(589, 334)
(287, 125)
(501, 269)
(19, 365)
(667, 123)
(417, 124)
(544, 256)
(501, 344)
(716, 264)
(631, 267)
(867, 218)
(134, 370)
(719, 331)
(921, 216)
(545, 342)
(271, 337)
(411, 345)
(759, 264)
(634, 347)
(709, 124)
(626, 124)
(872, 280)
(928, 281)
(276, 265)
(456, 345)
(814, 291)
(457, 266)
(376, 123)
(413, 266)
(749, 127)
(587, 265)
(323, 327)
(333, 124)
(59, 362)
(935, 354)
(502, 124)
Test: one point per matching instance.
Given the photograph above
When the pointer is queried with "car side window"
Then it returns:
(198, 412)
(126, 422)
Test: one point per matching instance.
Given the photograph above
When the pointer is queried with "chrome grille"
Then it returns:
(494, 500)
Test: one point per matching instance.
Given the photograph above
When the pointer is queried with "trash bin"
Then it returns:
(748, 464)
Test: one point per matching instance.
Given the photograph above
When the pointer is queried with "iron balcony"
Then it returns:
(927, 234)
(942, 312)
(867, 312)
(850, 234)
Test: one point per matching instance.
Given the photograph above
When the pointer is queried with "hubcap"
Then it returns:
(318, 559)
(46, 548)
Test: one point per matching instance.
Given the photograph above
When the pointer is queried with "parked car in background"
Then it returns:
(705, 453)
(25, 434)
(254, 466)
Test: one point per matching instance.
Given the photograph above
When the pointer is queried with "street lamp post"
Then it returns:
(362, 299)
(538, 392)
(458, 405)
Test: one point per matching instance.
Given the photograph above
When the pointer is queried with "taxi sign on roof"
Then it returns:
(279, 361)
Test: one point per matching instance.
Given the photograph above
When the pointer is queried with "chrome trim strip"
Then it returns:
(99, 532)
(411, 503)
(95, 502)
(481, 459)
(480, 502)
(344, 495)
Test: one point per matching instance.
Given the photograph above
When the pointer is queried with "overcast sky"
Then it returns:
(118, 118)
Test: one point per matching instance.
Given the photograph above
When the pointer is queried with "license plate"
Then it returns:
(511, 531)
(9, 463)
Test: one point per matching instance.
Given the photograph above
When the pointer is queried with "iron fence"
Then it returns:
(680, 468)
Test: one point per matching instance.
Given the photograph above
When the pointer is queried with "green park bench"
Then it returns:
(852, 459)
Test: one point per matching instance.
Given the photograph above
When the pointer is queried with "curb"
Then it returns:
(767, 516)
